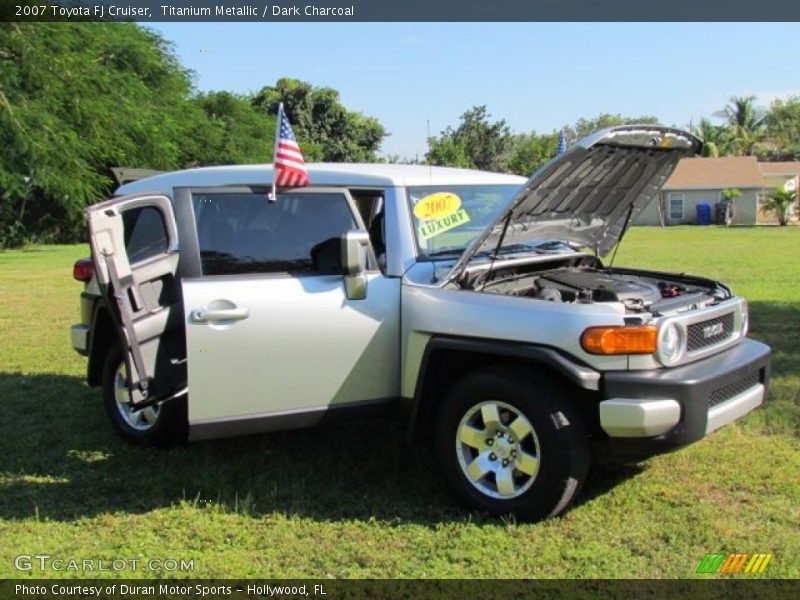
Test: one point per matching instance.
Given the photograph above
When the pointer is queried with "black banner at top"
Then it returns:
(399, 10)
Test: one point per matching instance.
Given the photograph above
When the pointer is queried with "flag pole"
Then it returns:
(273, 195)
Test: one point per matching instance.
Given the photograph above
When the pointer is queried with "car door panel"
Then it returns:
(141, 291)
(303, 346)
(261, 344)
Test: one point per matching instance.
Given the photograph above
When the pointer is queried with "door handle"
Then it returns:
(204, 315)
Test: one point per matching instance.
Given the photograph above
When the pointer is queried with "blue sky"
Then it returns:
(537, 76)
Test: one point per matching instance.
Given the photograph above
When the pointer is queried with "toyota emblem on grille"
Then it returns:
(713, 330)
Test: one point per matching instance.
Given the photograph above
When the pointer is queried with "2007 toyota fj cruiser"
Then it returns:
(465, 296)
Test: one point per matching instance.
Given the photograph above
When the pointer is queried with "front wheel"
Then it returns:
(511, 442)
(158, 425)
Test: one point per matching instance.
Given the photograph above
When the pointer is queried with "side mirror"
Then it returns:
(354, 263)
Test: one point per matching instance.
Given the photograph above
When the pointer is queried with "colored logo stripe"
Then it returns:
(758, 563)
(711, 562)
(722, 562)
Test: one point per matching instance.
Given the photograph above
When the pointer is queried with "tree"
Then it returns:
(744, 124)
(447, 151)
(713, 136)
(75, 100)
(783, 129)
(232, 131)
(476, 143)
(779, 202)
(326, 130)
(729, 196)
(584, 127)
(530, 151)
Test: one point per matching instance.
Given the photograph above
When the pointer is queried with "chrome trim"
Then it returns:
(737, 306)
(79, 335)
(735, 408)
(634, 418)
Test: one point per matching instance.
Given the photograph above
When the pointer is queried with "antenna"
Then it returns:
(430, 165)
(429, 243)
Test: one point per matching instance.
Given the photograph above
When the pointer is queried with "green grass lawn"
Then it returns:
(352, 500)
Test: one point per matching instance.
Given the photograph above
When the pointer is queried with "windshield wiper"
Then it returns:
(445, 252)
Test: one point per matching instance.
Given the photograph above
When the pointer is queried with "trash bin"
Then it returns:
(704, 213)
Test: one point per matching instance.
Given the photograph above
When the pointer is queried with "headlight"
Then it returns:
(670, 343)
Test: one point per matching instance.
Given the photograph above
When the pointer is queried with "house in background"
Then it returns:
(701, 180)
(784, 175)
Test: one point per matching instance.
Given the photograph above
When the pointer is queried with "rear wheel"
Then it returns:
(160, 424)
(512, 442)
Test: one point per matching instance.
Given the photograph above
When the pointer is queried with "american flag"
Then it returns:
(289, 167)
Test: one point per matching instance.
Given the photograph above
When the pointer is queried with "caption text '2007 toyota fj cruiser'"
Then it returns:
(468, 297)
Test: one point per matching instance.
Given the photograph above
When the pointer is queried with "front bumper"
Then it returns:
(654, 411)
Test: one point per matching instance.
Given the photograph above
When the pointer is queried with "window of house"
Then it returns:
(245, 233)
(675, 206)
(145, 233)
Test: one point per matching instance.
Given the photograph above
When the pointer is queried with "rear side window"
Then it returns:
(246, 233)
(145, 233)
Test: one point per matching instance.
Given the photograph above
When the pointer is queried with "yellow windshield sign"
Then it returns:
(436, 206)
(434, 227)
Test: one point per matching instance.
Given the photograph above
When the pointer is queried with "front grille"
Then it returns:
(726, 392)
(709, 333)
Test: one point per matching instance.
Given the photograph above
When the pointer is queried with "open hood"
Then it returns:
(588, 194)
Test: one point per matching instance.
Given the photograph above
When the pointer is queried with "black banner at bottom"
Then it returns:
(423, 589)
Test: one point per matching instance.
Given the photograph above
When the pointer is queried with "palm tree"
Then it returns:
(744, 123)
(713, 136)
(729, 196)
(779, 202)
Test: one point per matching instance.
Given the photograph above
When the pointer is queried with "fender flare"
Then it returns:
(580, 375)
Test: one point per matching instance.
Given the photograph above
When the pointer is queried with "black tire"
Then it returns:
(559, 431)
(170, 426)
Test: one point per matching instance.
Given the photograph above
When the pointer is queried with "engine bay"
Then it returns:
(584, 280)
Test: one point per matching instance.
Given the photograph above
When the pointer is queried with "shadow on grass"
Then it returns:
(60, 459)
(778, 325)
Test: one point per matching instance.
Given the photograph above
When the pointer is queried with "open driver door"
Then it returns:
(134, 243)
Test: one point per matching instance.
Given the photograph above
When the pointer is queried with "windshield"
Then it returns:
(447, 218)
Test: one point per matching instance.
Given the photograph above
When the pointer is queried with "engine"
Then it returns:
(635, 291)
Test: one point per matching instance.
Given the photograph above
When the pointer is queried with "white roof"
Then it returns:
(321, 174)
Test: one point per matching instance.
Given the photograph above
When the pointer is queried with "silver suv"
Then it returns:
(476, 301)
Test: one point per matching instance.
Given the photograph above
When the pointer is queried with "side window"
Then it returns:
(369, 202)
(371, 207)
(675, 208)
(246, 233)
(145, 233)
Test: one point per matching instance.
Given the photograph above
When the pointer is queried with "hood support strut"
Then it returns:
(497, 249)
(621, 235)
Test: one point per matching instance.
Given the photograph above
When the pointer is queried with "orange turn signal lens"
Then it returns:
(620, 340)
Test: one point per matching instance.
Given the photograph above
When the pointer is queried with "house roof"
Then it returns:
(716, 173)
(781, 168)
